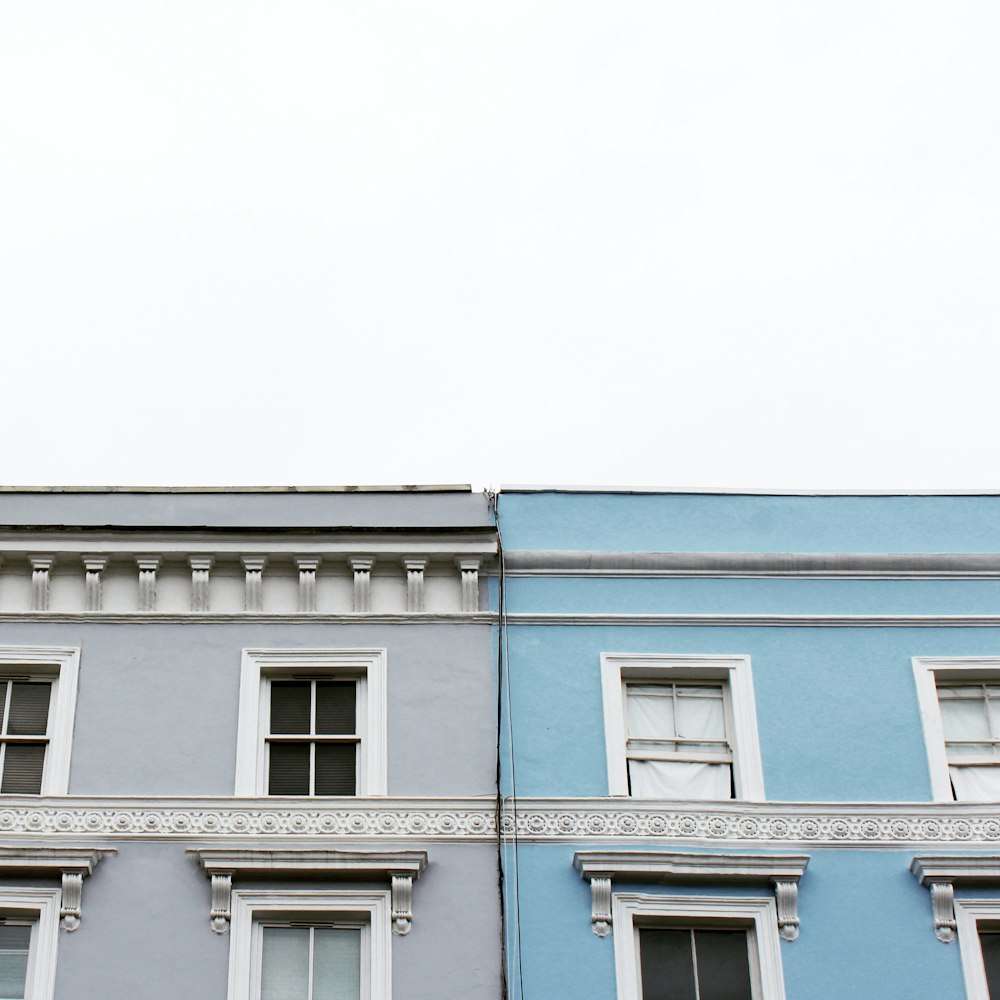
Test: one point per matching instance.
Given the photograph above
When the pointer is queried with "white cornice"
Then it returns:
(821, 565)
(760, 620)
(940, 873)
(292, 618)
(599, 821)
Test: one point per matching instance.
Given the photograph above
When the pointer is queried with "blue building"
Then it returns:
(751, 745)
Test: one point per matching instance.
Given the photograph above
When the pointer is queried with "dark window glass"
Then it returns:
(336, 767)
(22, 768)
(290, 706)
(673, 961)
(29, 709)
(14, 942)
(335, 707)
(288, 769)
(990, 942)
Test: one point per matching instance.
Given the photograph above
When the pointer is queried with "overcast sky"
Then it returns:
(653, 243)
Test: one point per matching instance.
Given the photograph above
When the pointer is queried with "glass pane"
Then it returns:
(291, 706)
(14, 940)
(650, 712)
(22, 768)
(723, 965)
(993, 713)
(701, 714)
(666, 965)
(337, 963)
(990, 943)
(288, 769)
(336, 768)
(29, 709)
(3, 699)
(975, 784)
(284, 973)
(336, 702)
(964, 718)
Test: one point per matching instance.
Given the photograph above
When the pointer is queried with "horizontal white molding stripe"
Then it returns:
(599, 820)
(760, 620)
(850, 565)
(292, 618)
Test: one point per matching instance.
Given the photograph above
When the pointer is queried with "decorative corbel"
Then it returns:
(943, 905)
(200, 568)
(402, 904)
(222, 896)
(148, 565)
(600, 906)
(254, 588)
(786, 893)
(362, 583)
(414, 584)
(40, 566)
(94, 566)
(307, 583)
(72, 899)
(469, 569)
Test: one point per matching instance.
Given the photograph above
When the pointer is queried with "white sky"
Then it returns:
(664, 243)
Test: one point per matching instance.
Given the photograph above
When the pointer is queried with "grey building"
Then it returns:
(248, 745)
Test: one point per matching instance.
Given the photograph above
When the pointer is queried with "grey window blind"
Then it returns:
(311, 963)
(313, 742)
(14, 941)
(25, 715)
(694, 964)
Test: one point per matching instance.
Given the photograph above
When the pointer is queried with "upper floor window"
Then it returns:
(680, 727)
(37, 703)
(959, 702)
(311, 961)
(312, 722)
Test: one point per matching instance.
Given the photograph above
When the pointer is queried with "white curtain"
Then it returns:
(700, 716)
(964, 718)
(976, 784)
(337, 964)
(650, 713)
(696, 713)
(669, 779)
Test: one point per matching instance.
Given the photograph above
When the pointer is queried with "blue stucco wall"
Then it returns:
(866, 931)
(742, 523)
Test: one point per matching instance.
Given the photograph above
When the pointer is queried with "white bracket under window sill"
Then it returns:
(400, 868)
(940, 873)
(71, 863)
(783, 871)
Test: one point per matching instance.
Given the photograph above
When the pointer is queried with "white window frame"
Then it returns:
(250, 907)
(968, 913)
(61, 666)
(950, 669)
(41, 907)
(758, 915)
(259, 666)
(741, 714)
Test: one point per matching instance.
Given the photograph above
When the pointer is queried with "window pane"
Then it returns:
(335, 707)
(701, 714)
(964, 718)
(14, 940)
(290, 706)
(975, 784)
(337, 964)
(22, 768)
(288, 769)
(666, 965)
(991, 959)
(336, 768)
(29, 709)
(663, 779)
(284, 973)
(650, 712)
(723, 965)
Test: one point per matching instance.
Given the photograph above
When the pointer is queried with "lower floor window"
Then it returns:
(317, 962)
(694, 964)
(15, 945)
(989, 941)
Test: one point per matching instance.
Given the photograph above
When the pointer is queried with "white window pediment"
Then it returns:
(782, 871)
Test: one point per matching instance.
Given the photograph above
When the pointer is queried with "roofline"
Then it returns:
(416, 488)
(736, 491)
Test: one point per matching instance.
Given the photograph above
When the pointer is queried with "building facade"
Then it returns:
(750, 745)
(248, 746)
